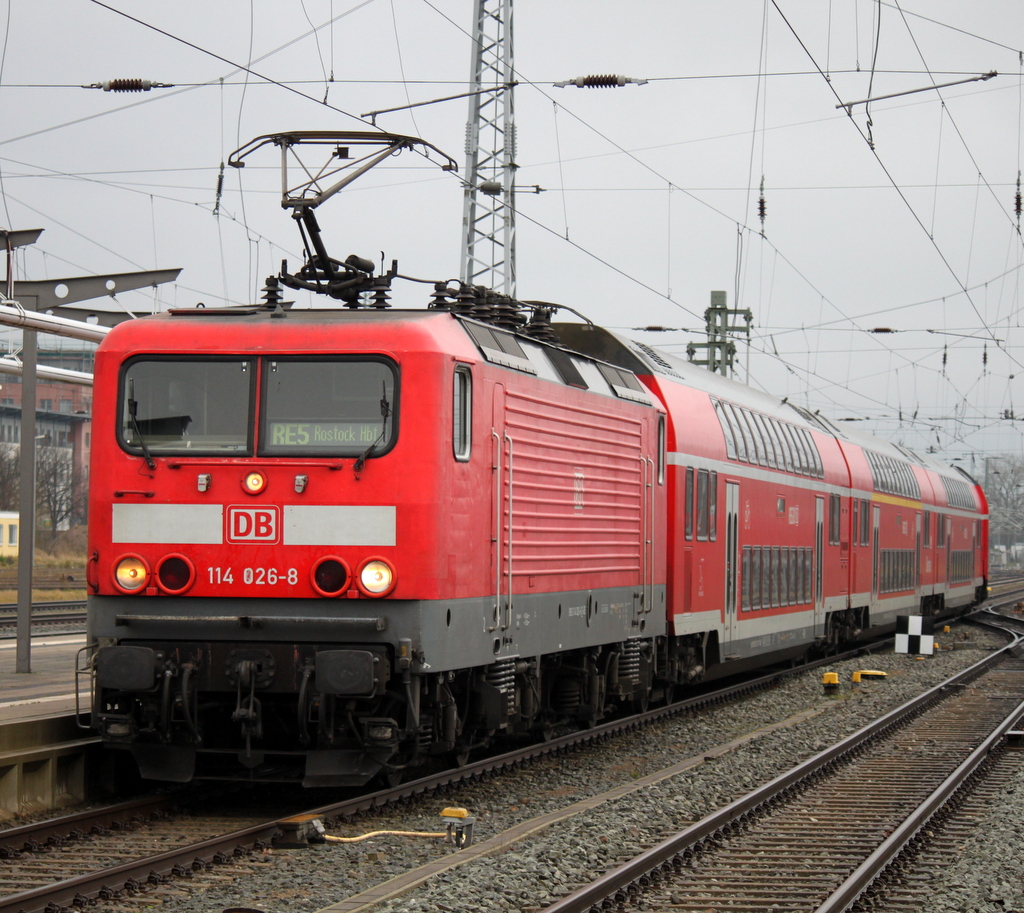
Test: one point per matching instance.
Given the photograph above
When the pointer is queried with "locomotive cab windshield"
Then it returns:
(337, 407)
(186, 405)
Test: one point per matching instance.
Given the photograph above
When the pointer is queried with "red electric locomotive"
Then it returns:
(324, 544)
(331, 544)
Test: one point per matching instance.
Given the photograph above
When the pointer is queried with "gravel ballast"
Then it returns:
(551, 862)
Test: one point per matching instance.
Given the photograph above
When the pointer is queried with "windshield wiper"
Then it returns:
(385, 411)
(133, 408)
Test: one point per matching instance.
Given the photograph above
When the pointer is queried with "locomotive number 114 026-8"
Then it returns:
(260, 576)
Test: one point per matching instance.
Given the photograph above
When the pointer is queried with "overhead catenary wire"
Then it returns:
(669, 183)
(892, 180)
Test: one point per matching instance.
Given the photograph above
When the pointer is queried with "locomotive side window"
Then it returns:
(462, 413)
(336, 407)
(661, 449)
(186, 406)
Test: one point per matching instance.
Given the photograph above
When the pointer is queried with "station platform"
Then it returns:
(49, 688)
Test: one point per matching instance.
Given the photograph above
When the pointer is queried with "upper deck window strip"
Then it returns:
(893, 476)
(758, 439)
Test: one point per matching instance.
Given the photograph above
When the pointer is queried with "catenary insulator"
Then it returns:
(604, 81)
(127, 85)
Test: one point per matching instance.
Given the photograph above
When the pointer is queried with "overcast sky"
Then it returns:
(650, 192)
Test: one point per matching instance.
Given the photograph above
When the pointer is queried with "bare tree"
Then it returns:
(1004, 487)
(60, 492)
(10, 477)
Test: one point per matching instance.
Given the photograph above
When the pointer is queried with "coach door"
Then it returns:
(732, 509)
(819, 562)
(917, 563)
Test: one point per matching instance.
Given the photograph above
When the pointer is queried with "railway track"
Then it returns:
(824, 834)
(70, 838)
(44, 615)
(139, 870)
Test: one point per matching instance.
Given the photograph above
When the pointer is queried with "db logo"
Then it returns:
(253, 524)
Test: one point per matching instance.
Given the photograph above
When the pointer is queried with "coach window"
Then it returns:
(730, 441)
(787, 452)
(755, 577)
(776, 577)
(783, 564)
(462, 413)
(927, 532)
(795, 566)
(688, 499)
(713, 506)
(757, 453)
(745, 579)
(743, 452)
(762, 423)
(834, 522)
(817, 470)
(854, 524)
(703, 507)
(794, 451)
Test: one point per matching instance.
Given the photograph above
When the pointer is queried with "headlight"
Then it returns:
(131, 573)
(254, 482)
(376, 577)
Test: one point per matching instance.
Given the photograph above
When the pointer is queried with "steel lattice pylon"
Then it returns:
(488, 218)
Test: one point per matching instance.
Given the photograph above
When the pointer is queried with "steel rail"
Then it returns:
(630, 879)
(134, 875)
(26, 837)
(139, 872)
(876, 864)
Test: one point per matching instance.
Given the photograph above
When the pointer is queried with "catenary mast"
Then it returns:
(488, 220)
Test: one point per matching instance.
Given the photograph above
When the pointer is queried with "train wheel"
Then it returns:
(641, 703)
(544, 732)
